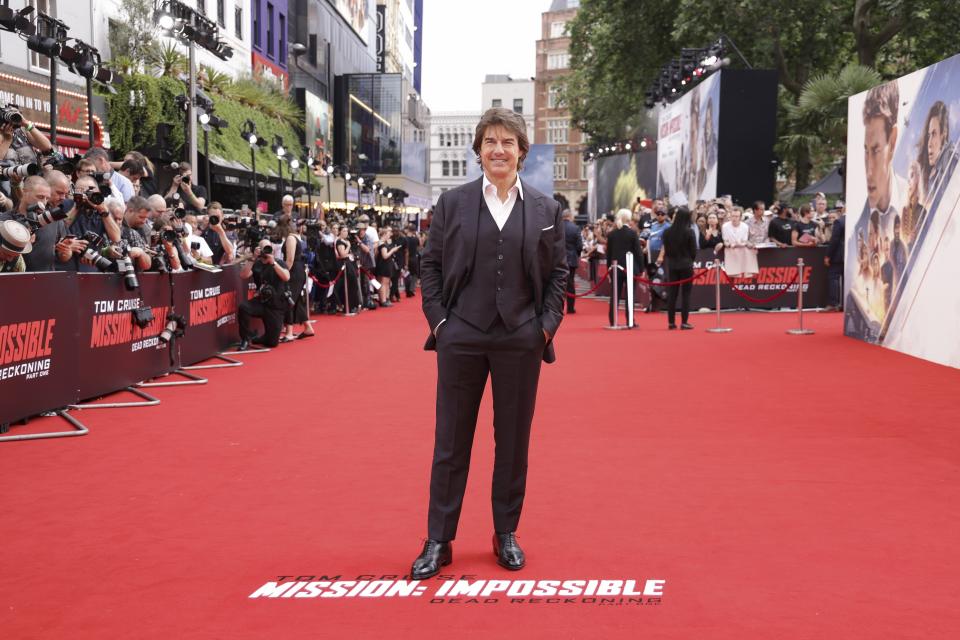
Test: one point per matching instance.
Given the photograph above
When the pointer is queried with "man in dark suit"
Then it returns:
(621, 241)
(574, 244)
(492, 281)
(834, 263)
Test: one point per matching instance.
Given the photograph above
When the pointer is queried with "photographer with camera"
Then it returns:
(50, 244)
(193, 196)
(20, 141)
(215, 235)
(120, 185)
(89, 216)
(134, 171)
(271, 275)
(365, 249)
(136, 215)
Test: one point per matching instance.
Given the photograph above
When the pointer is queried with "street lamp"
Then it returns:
(281, 155)
(249, 133)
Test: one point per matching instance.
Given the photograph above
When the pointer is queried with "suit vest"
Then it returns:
(498, 285)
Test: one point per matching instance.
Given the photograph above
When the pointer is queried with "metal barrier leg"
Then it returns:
(79, 430)
(719, 328)
(191, 379)
(227, 362)
(801, 331)
(148, 401)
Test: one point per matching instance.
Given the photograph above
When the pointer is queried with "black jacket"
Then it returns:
(574, 242)
(619, 242)
(835, 248)
(447, 260)
(679, 249)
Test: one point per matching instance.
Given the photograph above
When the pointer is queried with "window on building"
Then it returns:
(238, 22)
(553, 97)
(558, 131)
(202, 6)
(283, 40)
(49, 7)
(518, 105)
(557, 29)
(446, 167)
(560, 60)
(456, 168)
(312, 49)
(270, 30)
(257, 42)
(441, 138)
(222, 13)
(496, 102)
(560, 168)
(584, 170)
(463, 167)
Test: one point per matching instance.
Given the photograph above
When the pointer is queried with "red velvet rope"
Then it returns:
(586, 293)
(747, 296)
(327, 285)
(695, 275)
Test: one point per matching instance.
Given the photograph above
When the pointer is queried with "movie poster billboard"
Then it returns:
(537, 168)
(319, 125)
(902, 228)
(358, 14)
(687, 144)
(622, 178)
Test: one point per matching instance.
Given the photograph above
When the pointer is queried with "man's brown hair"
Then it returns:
(512, 122)
(883, 102)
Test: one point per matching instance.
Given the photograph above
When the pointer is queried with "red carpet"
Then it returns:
(782, 486)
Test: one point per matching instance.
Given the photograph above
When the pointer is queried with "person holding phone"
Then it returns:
(194, 196)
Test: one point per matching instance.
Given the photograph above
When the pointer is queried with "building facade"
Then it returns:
(552, 120)
(510, 93)
(451, 141)
(269, 43)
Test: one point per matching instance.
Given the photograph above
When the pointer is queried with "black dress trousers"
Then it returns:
(465, 357)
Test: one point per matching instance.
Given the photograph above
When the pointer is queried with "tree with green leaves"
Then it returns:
(132, 34)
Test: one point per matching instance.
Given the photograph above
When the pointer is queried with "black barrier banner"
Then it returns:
(38, 349)
(778, 268)
(116, 352)
(208, 302)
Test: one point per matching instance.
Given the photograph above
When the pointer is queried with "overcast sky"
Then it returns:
(464, 40)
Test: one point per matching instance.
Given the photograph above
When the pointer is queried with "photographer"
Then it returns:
(120, 185)
(133, 170)
(165, 246)
(365, 250)
(50, 245)
(136, 215)
(271, 276)
(23, 143)
(193, 240)
(14, 244)
(215, 235)
(194, 196)
(90, 214)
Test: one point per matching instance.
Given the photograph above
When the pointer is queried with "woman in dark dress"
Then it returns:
(711, 237)
(346, 287)
(385, 267)
(679, 250)
(293, 256)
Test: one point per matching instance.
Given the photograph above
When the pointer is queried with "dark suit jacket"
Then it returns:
(619, 242)
(835, 247)
(447, 261)
(574, 243)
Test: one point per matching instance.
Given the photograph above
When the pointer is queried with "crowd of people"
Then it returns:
(92, 214)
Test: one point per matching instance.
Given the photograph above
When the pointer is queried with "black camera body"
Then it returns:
(96, 244)
(11, 115)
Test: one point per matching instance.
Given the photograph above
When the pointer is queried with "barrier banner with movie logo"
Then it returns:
(118, 353)
(208, 303)
(38, 348)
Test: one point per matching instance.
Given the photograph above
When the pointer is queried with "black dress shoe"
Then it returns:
(686, 326)
(435, 554)
(508, 551)
(671, 327)
(244, 345)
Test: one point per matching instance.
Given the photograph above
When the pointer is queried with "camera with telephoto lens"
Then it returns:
(96, 244)
(11, 115)
(212, 220)
(173, 329)
(266, 250)
(124, 266)
(168, 235)
(37, 218)
(89, 199)
(10, 170)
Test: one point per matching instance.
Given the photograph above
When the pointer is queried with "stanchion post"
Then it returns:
(613, 294)
(628, 274)
(346, 293)
(801, 331)
(719, 328)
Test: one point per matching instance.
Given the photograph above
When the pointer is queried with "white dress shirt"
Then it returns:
(498, 209)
